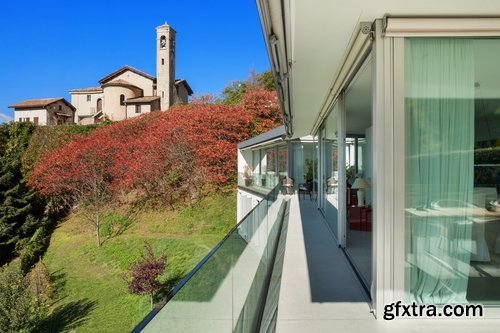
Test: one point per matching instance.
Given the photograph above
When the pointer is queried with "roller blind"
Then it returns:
(413, 27)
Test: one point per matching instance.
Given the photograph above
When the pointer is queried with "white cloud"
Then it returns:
(5, 118)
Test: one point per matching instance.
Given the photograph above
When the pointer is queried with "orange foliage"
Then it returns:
(164, 154)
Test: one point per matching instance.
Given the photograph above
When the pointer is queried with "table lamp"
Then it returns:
(360, 184)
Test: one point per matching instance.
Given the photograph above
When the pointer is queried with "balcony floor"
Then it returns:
(319, 292)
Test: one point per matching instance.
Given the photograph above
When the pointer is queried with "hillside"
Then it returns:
(167, 178)
(91, 291)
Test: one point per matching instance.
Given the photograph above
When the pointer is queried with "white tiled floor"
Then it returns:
(320, 292)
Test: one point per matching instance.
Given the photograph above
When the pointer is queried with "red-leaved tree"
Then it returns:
(162, 156)
(145, 274)
(77, 174)
(80, 174)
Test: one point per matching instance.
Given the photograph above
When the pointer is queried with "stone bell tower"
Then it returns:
(165, 65)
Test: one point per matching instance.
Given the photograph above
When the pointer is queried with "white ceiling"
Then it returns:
(319, 31)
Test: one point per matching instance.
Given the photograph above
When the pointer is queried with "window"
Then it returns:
(89, 98)
(329, 165)
(162, 61)
(271, 160)
(163, 42)
(283, 160)
(137, 109)
(122, 99)
(452, 152)
(35, 120)
(24, 120)
(60, 107)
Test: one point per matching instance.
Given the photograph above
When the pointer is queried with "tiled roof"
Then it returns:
(91, 89)
(122, 70)
(184, 82)
(121, 83)
(145, 99)
(118, 82)
(39, 103)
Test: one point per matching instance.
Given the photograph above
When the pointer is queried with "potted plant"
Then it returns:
(247, 175)
(263, 179)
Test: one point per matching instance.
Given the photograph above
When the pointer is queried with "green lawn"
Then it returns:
(90, 289)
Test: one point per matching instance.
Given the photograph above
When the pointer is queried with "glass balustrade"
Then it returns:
(226, 292)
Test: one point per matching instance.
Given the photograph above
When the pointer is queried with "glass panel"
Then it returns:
(256, 175)
(283, 161)
(358, 109)
(452, 110)
(320, 168)
(271, 164)
(330, 184)
(298, 163)
(303, 168)
(227, 292)
(314, 147)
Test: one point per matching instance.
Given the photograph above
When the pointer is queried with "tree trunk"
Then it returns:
(151, 300)
(97, 224)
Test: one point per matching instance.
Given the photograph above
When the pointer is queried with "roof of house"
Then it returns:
(145, 99)
(120, 83)
(123, 70)
(40, 103)
(276, 134)
(90, 90)
(184, 82)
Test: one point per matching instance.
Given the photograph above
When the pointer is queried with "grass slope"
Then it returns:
(90, 291)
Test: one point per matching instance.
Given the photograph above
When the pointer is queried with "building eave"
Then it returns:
(272, 136)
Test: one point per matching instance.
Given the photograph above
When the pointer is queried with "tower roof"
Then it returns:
(164, 26)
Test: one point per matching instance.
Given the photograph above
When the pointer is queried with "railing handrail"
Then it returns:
(200, 264)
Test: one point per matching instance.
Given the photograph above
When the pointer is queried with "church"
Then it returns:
(129, 92)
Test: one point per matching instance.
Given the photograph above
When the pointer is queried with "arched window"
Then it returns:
(122, 99)
(99, 104)
(163, 42)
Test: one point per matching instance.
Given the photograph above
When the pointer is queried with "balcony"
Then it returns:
(280, 270)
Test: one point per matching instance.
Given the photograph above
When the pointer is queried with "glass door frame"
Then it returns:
(389, 267)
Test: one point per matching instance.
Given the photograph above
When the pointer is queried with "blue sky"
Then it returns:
(50, 47)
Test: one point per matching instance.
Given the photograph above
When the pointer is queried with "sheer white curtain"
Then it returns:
(439, 83)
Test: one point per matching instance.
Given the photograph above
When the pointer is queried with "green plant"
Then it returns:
(22, 304)
(309, 170)
(350, 174)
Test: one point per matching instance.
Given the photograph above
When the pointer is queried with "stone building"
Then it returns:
(129, 92)
(47, 111)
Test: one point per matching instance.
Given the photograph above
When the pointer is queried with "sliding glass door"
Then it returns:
(452, 151)
(358, 170)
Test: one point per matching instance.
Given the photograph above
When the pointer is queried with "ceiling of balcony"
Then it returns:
(318, 33)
